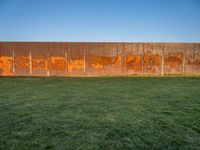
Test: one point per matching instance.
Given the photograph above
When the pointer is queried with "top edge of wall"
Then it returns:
(97, 42)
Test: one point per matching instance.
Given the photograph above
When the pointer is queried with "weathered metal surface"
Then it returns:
(196, 61)
(98, 59)
(133, 54)
(57, 59)
(75, 59)
(173, 58)
(104, 59)
(6, 59)
(188, 61)
(39, 53)
(152, 57)
(21, 59)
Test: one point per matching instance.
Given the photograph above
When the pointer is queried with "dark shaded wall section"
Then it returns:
(98, 59)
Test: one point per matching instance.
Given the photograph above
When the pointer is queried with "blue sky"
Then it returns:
(100, 20)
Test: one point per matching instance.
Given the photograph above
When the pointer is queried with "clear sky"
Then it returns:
(100, 20)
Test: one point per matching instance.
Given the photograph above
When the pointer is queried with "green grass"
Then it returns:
(100, 113)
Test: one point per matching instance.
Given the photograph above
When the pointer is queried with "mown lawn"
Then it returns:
(100, 113)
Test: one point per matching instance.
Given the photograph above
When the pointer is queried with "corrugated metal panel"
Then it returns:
(40, 59)
(133, 58)
(197, 59)
(58, 61)
(6, 59)
(104, 59)
(21, 59)
(189, 59)
(75, 59)
(152, 59)
(173, 58)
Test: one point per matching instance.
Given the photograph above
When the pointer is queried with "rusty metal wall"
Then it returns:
(98, 59)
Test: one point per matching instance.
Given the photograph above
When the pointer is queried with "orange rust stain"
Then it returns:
(5, 65)
(133, 62)
(57, 63)
(39, 63)
(118, 60)
(198, 58)
(173, 61)
(98, 62)
(152, 60)
(75, 64)
(22, 61)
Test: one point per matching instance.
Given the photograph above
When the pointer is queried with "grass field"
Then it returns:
(100, 113)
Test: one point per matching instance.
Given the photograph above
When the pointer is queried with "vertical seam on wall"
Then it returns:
(84, 56)
(142, 59)
(47, 62)
(163, 59)
(30, 60)
(193, 57)
(66, 60)
(13, 55)
(184, 51)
